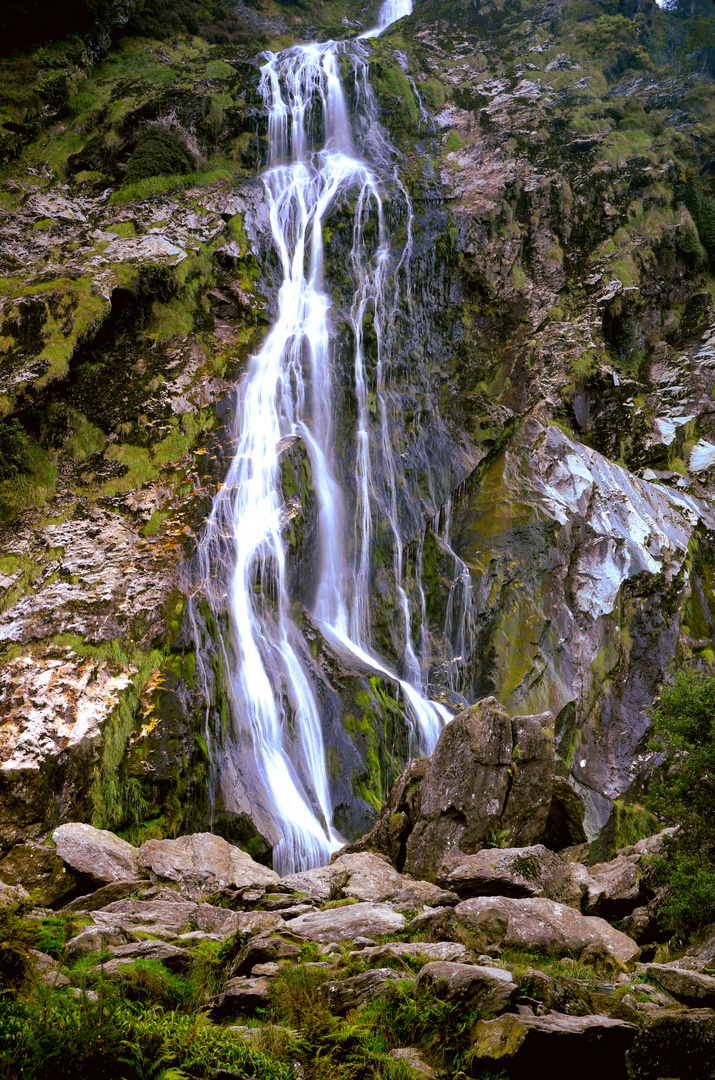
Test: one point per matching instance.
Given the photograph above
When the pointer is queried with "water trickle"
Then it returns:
(288, 392)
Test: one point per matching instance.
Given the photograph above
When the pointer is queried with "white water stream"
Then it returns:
(288, 391)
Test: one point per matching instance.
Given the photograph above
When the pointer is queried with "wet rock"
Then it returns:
(468, 790)
(38, 868)
(203, 864)
(97, 853)
(492, 990)
(564, 825)
(541, 925)
(397, 819)
(589, 1046)
(517, 872)
(344, 994)
(345, 923)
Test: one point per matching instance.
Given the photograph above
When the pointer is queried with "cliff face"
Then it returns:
(550, 400)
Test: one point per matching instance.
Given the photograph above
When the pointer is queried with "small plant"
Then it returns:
(15, 459)
(159, 152)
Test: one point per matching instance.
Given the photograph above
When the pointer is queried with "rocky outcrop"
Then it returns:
(491, 990)
(517, 872)
(347, 994)
(97, 853)
(203, 864)
(346, 923)
(486, 770)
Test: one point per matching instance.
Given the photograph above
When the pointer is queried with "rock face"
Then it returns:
(488, 772)
(202, 864)
(97, 853)
(543, 926)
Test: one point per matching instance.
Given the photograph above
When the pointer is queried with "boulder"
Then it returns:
(99, 854)
(202, 864)
(249, 923)
(107, 894)
(39, 869)
(262, 949)
(589, 1047)
(617, 889)
(12, 894)
(473, 787)
(94, 939)
(417, 894)
(167, 919)
(692, 987)
(172, 957)
(441, 924)
(47, 969)
(674, 1043)
(346, 923)
(541, 925)
(430, 950)
(703, 948)
(370, 877)
(344, 994)
(517, 872)
(491, 990)
(323, 883)
(564, 825)
(241, 995)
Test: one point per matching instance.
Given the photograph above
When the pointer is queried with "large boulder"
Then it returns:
(262, 949)
(589, 1047)
(488, 773)
(491, 990)
(408, 950)
(344, 994)
(540, 925)
(40, 870)
(97, 853)
(518, 872)
(203, 864)
(345, 923)
(241, 995)
(167, 919)
(617, 890)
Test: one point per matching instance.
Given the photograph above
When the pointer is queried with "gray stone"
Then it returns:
(262, 949)
(517, 872)
(673, 1043)
(412, 1057)
(203, 864)
(430, 950)
(346, 923)
(107, 894)
(12, 894)
(97, 853)
(323, 883)
(94, 939)
(618, 887)
(692, 987)
(398, 816)
(344, 994)
(241, 995)
(542, 925)
(370, 877)
(468, 781)
(490, 989)
(39, 869)
(172, 957)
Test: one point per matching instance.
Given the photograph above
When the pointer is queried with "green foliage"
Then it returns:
(17, 937)
(683, 792)
(50, 937)
(159, 152)
(15, 458)
(702, 210)
(633, 823)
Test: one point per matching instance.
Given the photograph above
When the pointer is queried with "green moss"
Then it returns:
(124, 229)
(453, 142)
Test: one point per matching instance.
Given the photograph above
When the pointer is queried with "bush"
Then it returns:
(159, 152)
(683, 793)
(15, 457)
(17, 937)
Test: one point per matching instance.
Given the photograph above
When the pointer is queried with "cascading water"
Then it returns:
(288, 392)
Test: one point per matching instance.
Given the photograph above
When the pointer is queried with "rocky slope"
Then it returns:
(506, 965)
(551, 394)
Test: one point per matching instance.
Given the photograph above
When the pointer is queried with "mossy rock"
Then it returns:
(160, 152)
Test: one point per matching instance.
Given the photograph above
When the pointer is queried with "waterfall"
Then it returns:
(287, 392)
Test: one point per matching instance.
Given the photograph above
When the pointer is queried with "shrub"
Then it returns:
(683, 792)
(15, 457)
(159, 152)
(17, 937)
